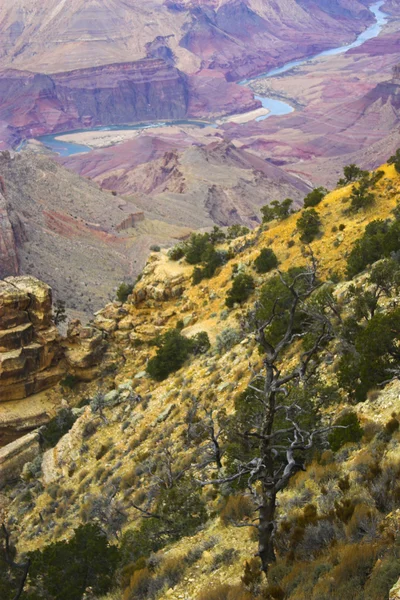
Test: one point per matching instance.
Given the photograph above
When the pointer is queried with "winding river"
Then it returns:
(275, 107)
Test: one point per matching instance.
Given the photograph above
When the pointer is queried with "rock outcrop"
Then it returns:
(14, 456)
(29, 341)
(84, 349)
(34, 357)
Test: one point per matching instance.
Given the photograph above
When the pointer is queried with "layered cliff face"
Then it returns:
(125, 93)
(34, 357)
(29, 349)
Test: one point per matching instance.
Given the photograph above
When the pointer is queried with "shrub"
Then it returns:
(69, 382)
(277, 210)
(236, 509)
(195, 247)
(375, 355)
(227, 339)
(155, 248)
(211, 259)
(124, 290)
(395, 160)
(380, 240)
(235, 231)
(383, 577)
(200, 343)
(361, 196)
(65, 569)
(241, 289)
(392, 426)
(308, 225)
(225, 558)
(350, 431)
(266, 261)
(315, 197)
(177, 252)
(55, 429)
(181, 508)
(173, 351)
(274, 295)
(351, 173)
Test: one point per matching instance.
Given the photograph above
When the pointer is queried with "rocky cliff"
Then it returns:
(29, 342)
(34, 357)
(146, 90)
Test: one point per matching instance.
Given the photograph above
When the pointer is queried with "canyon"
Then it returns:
(87, 64)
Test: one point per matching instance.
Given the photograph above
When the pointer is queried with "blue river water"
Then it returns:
(275, 107)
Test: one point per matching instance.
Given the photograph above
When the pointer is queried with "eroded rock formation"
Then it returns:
(34, 357)
(29, 341)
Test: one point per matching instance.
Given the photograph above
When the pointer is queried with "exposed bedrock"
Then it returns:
(34, 357)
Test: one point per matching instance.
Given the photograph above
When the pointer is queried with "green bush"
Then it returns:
(181, 510)
(308, 225)
(65, 569)
(266, 261)
(395, 160)
(315, 197)
(375, 356)
(361, 196)
(277, 210)
(350, 431)
(55, 429)
(351, 173)
(177, 252)
(275, 295)
(69, 382)
(235, 231)
(380, 240)
(200, 343)
(173, 351)
(242, 287)
(123, 291)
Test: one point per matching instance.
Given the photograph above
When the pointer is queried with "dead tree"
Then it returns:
(8, 556)
(276, 431)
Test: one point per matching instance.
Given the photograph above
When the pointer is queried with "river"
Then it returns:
(275, 107)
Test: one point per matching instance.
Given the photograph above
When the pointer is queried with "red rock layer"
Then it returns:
(36, 104)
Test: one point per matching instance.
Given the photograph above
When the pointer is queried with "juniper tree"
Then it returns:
(276, 422)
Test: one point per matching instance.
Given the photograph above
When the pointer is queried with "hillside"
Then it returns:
(135, 460)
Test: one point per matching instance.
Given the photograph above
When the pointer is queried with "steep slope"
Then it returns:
(339, 516)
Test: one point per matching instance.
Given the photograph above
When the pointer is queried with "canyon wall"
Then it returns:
(35, 104)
